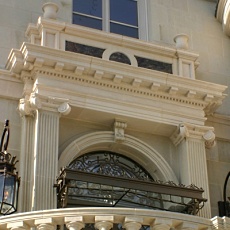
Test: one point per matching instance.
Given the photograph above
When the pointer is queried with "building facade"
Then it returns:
(147, 82)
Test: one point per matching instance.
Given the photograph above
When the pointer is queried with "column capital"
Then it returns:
(28, 105)
(185, 131)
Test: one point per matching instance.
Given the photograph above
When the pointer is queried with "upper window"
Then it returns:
(116, 16)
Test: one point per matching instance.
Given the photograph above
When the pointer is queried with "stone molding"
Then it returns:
(184, 131)
(166, 87)
(158, 166)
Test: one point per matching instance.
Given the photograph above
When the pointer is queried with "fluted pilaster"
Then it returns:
(45, 159)
(193, 165)
(26, 164)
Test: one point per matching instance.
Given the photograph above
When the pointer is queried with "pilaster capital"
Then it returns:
(185, 131)
(119, 130)
(28, 105)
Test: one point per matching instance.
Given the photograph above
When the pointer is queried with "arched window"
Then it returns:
(125, 17)
(119, 57)
(108, 179)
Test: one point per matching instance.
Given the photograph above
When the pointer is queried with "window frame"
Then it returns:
(142, 11)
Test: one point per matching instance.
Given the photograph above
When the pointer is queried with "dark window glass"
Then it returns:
(124, 30)
(89, 7)
(84, 49)
(154, 65)
(120, 57)
(87, 21)
(124, 11)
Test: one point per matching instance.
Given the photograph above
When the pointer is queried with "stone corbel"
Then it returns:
(24, 107)
(180, 133)
(119, 130)
(209, 138)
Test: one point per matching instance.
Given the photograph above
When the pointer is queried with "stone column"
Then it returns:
(192, 159)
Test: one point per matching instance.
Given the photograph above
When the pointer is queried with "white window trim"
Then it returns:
(143, 12)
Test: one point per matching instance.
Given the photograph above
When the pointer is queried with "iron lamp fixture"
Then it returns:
(9, 180)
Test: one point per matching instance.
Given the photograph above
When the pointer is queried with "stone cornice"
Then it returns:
(79, 69)
(72, 66)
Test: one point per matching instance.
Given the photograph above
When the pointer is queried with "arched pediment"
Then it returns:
(131, 147)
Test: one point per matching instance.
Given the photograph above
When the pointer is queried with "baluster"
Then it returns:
(74, 223)
(161, 227)
(132, 223)
(103, 222)
(17, 226)
(45, 224)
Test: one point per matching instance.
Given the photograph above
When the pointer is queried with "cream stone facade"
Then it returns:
(62, 105)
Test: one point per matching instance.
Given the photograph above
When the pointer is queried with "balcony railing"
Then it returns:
(83, 189)
(108, 218)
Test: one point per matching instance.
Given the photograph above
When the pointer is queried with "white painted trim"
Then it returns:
(143, 12)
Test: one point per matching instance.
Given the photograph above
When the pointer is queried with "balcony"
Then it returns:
(107, 218)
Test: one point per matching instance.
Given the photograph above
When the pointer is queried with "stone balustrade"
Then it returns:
(106, 218)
